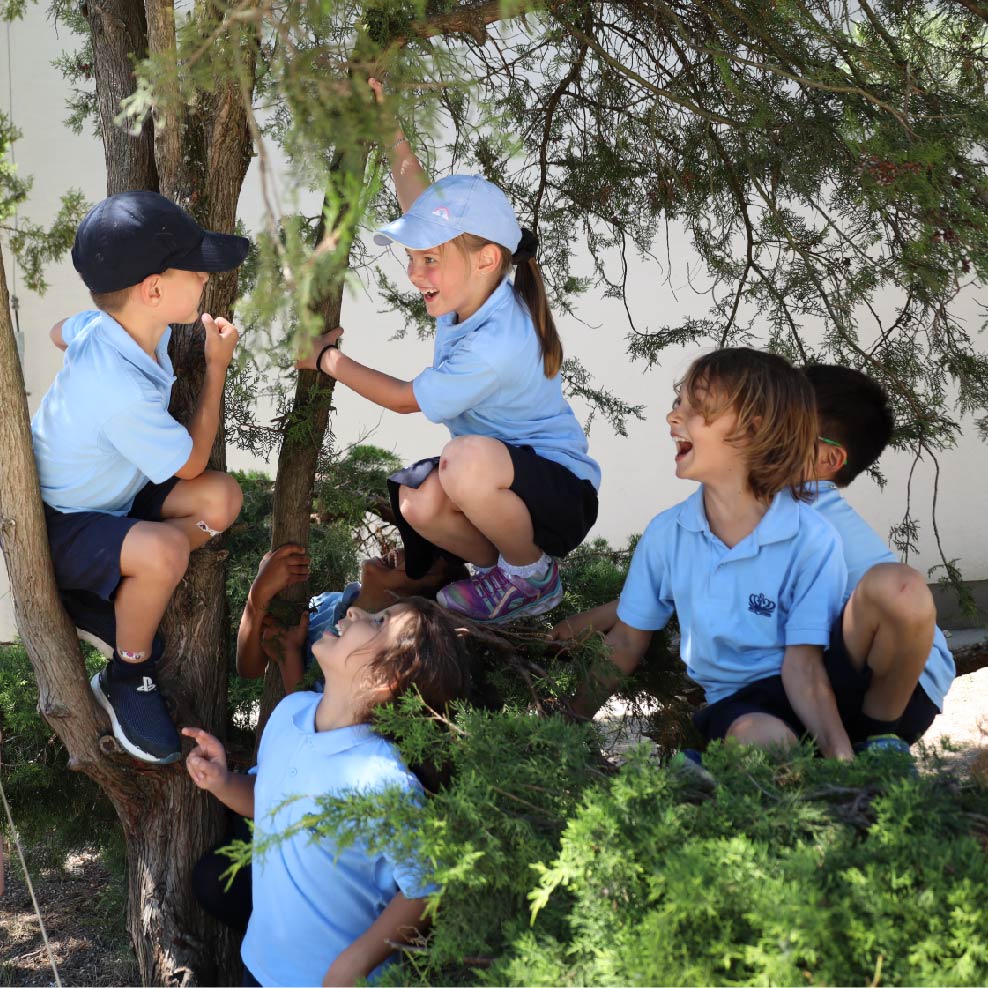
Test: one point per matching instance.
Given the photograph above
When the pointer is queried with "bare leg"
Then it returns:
(431, 513)
(153, 559)
(888, 625)
(763, 731)
(203, 507)
(476, 473)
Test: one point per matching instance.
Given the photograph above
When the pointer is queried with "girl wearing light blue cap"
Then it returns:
(514, 487)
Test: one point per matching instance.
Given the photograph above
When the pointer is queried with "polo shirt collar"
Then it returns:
(117, 337)
(779, 523)
(329, 742)
(498, 298)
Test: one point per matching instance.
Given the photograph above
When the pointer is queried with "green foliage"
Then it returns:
(56, 810)
(795, 870)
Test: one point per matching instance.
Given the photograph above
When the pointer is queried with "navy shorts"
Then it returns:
(849, 683)
(562, 506)
(85, 545)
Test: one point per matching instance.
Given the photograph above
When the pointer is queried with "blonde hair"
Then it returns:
(776, 412)
(530, 288)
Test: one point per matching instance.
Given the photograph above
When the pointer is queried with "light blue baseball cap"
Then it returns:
(454, 205)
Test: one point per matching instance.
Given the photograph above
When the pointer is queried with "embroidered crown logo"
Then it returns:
(758, 603)
(442, 212)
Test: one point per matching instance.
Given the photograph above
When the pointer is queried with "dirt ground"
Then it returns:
(67, 898)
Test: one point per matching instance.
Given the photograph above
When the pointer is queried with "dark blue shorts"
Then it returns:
(849, 683)
(85, 545)
(563, 507)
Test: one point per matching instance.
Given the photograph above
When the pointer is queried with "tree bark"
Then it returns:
(119, 36)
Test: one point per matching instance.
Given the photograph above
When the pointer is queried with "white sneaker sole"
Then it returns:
(118, 733)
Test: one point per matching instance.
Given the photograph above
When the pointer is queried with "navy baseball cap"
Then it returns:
(454, 205)
(129, 236)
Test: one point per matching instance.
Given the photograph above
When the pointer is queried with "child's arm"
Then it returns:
(625, 648)
(56, 335)
(382, 389)
(602, 619)
(398, 923)
(207, 766)
(409, 177)
(282, 567)
(809, 691)
(221, 338)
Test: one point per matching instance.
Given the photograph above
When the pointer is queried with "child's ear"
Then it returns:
(830, 461)
(488, 258)
(151, 290)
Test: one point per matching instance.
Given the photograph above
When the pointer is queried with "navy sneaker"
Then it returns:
(686, 765)
(137, 712)
(96, 623)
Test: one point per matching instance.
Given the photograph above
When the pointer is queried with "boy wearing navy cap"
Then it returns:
(126, 491)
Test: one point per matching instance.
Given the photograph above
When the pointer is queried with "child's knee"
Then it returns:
(464, 466)
(220, 503)
(421, 505)
(169, 558)
(897, 593)
(762, 730)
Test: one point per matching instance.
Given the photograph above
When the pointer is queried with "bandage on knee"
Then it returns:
(203, 527)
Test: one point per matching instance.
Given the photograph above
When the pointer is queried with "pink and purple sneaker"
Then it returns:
(496, 598)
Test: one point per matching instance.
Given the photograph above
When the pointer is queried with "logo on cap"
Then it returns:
(442, 212)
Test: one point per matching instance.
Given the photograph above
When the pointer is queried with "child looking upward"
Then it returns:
(514, 487)
(126, 491)
(755, 575)
(325, 914)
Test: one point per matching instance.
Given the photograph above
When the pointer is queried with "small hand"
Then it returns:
(277, 641)
(279, 568)
(377, 88)
(206, 763)
(221, 338)
(308, 362)
(567, 629)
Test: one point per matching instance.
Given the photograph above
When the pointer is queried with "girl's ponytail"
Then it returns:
(531, 288)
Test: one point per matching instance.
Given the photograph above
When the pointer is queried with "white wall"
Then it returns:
(638, 470)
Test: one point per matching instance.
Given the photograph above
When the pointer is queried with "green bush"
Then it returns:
(794, 870)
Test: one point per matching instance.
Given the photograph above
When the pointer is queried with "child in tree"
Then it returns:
(126, 491)
(754, 574)
(515, 486)
(383, 580)
(325, 914)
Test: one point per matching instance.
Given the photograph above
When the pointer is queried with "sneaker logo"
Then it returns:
(761, 605)
(147, 686)
(442, 212)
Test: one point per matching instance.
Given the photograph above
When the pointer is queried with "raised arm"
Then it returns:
(206, 765)
(280, 568)
(409, 177)
(221, 338)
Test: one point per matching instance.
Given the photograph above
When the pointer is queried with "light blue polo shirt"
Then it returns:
(103, 430)
(738, 608)
(487, 379)
(863, 548)
(311, 898)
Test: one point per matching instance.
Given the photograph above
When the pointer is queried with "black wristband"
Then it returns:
(319, 358)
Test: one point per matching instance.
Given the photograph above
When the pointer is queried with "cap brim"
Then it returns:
(216, 252)
(416, 232)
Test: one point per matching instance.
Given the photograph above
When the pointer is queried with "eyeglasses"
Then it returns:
(829, 442)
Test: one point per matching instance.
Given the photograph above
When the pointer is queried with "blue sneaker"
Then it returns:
(687, 765)
(138, 716)
(883, 743)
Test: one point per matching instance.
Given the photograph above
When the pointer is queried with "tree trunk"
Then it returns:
(119, 35)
